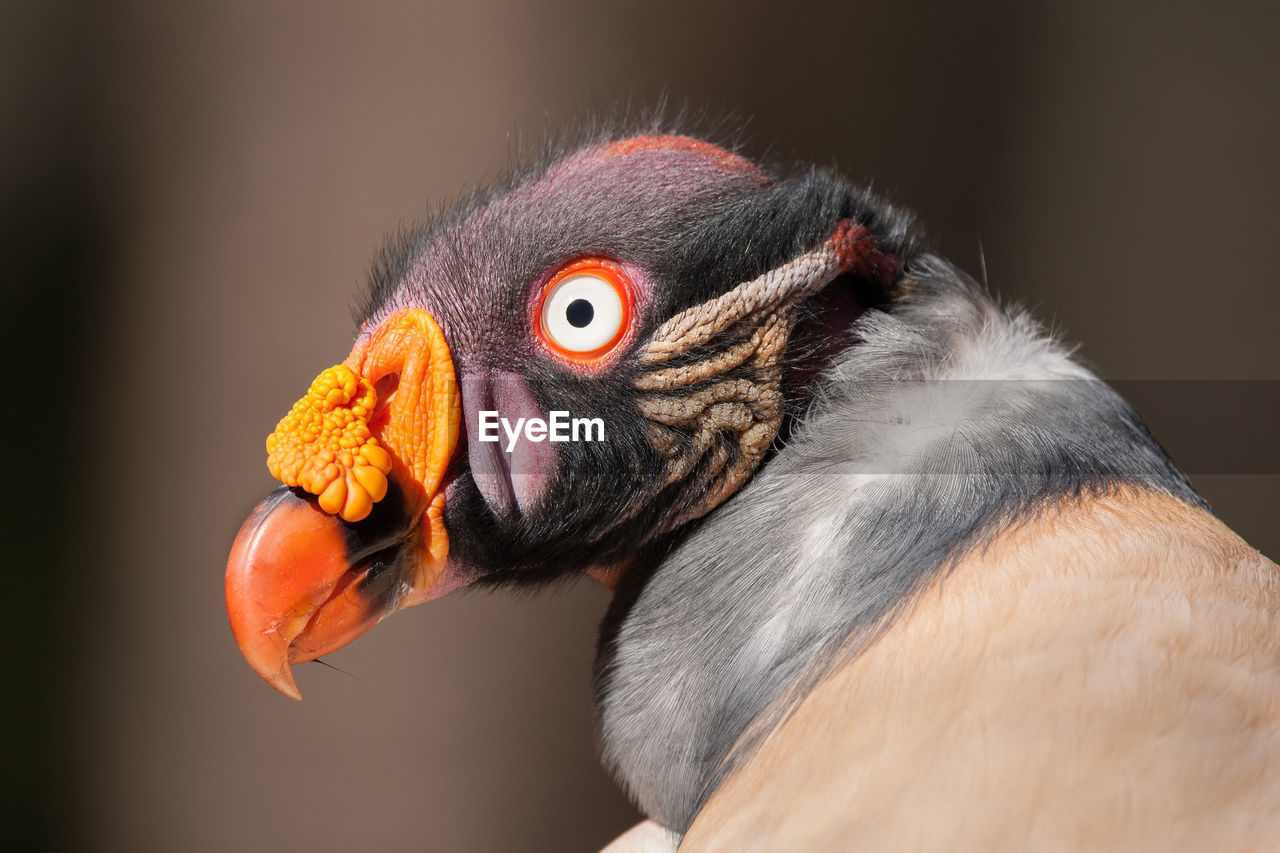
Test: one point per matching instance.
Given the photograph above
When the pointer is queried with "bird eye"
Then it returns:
(585, 310)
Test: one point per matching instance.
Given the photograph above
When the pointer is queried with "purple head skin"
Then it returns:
(687, 221)
(611, 199)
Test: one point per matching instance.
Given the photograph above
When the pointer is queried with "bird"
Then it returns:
(891, 568)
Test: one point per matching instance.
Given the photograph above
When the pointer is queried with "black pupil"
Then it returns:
(579, 313)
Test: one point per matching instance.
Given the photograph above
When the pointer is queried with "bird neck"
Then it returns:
(944, 419)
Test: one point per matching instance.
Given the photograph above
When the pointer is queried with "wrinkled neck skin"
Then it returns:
(945, 419)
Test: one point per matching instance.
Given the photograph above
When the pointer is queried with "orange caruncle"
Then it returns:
(325, 447)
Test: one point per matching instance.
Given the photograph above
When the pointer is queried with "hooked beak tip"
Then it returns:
(283, 683)
(268, 655)
(285, 559)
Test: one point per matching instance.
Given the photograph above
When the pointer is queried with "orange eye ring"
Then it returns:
(604, 270)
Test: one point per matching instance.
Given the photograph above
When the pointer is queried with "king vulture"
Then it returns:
(892, 571)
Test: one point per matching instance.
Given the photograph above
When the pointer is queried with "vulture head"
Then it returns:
(563, 374)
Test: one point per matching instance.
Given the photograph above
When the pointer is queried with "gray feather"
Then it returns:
(947, 420)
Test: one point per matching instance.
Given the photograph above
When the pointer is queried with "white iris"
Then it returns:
(582, 313)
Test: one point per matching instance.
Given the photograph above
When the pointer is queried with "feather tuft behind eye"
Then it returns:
(585, 311)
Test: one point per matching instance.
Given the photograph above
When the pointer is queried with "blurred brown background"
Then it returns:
(192, 194)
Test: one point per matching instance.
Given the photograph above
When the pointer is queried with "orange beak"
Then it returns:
(308, 573)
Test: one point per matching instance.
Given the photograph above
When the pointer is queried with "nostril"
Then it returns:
(385, 388)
